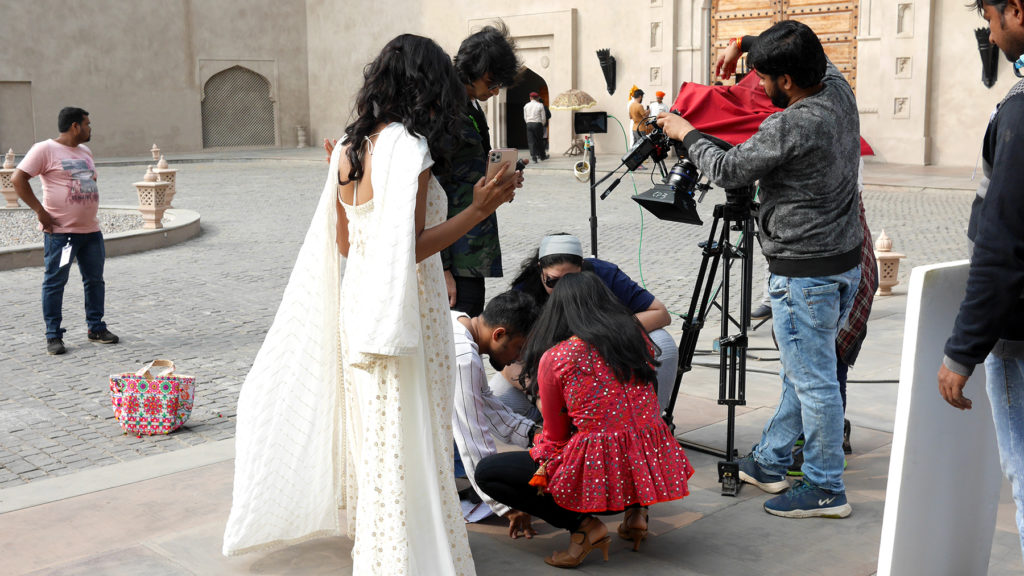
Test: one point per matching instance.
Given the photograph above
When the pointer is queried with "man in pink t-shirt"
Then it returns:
(67, 217)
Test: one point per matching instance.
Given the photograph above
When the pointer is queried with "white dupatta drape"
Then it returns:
(289, 465)
(297, 434)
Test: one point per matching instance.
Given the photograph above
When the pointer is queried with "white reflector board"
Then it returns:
(944, 475)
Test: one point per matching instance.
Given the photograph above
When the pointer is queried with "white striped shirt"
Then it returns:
(479, 417)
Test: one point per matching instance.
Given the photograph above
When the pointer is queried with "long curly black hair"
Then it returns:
(583, 306)
(411, 81)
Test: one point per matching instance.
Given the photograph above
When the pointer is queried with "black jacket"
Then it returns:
(992, 309)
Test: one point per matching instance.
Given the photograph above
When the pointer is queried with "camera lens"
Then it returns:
(683, 176)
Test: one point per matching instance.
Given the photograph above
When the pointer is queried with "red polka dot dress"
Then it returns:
(604, 442)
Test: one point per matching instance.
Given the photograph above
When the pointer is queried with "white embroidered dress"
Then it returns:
(349, 403)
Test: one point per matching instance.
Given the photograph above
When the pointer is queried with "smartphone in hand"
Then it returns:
(499, 157)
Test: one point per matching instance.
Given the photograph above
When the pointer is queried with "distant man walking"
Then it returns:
(67, 217)
(535, 117)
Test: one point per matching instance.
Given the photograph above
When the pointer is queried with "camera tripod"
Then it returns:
(719, 253)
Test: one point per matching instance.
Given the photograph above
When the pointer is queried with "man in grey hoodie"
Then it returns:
(806, 159)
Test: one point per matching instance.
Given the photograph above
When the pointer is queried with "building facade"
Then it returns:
(195, 74)
(184, 74)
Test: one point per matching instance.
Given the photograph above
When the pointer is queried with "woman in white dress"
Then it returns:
(348, 403)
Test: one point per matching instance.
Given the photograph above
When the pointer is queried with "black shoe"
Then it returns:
(102, 337)
(762, 312)
(534, 159)
(796, 468)
(846, 437)
(469, 493)
(55, 346)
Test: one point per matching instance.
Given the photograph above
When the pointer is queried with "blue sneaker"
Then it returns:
(806, 501)
(752, 473)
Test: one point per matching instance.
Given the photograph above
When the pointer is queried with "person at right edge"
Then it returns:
(990, 325)
(806, 158)
(486, 62)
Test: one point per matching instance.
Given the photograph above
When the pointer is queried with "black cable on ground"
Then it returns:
(717, 366)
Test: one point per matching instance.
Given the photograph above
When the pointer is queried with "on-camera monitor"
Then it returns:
(590, 122)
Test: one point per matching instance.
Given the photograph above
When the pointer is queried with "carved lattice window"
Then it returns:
(237, 110)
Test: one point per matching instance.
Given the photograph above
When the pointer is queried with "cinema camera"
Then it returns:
(674, 199)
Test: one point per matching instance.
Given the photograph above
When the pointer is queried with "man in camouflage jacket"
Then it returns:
(486, 62)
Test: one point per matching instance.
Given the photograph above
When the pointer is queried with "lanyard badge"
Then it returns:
(65, 254)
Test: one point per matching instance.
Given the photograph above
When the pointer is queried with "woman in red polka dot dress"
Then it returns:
(604, 448)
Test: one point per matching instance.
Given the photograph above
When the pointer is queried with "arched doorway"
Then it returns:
(516, 96)
(237, 110)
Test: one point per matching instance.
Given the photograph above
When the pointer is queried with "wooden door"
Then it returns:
(834, 22)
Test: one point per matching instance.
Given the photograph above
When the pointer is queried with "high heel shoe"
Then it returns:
(563, 559)
(626, 532)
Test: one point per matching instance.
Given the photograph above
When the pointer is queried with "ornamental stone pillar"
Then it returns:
(166, 174)
(888, 265)
(152, 200)
(6, 184)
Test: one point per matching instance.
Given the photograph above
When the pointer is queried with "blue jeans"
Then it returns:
(807, 314)
(88, 250)
(1005, 385)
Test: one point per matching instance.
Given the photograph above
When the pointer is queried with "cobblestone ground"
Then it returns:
(208, 302)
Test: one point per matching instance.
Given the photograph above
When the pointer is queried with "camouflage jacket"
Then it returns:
(478, 253)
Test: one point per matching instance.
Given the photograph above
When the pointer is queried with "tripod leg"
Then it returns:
(593, 202)
(723, 350)
(733, 349)
(733, 367)
(747, 249)
(728, 470)
(694, 319)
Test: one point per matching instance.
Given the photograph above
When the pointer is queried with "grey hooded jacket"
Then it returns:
(806, 158)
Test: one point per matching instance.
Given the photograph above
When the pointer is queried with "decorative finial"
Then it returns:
(162, 164)
(9, 159)
(149, 177)
(884, 243)
(155, 151)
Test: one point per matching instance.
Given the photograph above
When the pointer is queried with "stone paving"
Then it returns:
(207, 303)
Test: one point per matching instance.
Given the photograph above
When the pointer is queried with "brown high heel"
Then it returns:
(637, 535)
(563, 559)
